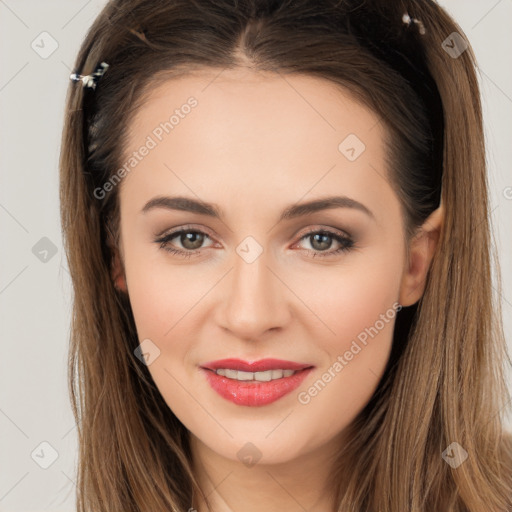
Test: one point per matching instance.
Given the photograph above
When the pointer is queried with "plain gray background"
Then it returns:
(39, 41)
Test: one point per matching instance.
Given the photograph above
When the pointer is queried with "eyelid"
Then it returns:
(321, 227)
(184, 227)
(314, 229)
(342, 237)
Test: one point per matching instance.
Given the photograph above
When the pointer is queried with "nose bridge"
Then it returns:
(255, 301)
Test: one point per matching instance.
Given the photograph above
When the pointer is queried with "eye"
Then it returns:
(322, 240)
(191, 241)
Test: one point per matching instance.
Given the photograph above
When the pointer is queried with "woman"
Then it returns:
(276, 219)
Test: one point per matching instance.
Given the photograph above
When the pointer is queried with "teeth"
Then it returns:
(259, 376)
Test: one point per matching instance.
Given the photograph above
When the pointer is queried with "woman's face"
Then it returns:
(265, 269)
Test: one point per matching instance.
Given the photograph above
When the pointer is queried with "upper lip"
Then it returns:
(256, 366)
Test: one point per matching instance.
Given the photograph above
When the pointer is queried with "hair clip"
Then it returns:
(91, 80)
(408, 20)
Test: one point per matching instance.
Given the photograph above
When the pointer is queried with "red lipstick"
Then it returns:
(256, 366)
(254, 392)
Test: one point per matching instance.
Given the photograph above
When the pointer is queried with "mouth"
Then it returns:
(263, 365)
(255, 384)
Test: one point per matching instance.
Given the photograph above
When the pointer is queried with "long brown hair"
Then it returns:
(445, 378)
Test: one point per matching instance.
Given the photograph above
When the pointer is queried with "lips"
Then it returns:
(256, 366)
(253, 393)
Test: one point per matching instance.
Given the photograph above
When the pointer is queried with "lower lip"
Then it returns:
(254, 393)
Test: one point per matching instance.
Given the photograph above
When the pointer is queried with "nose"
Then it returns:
(255, 300)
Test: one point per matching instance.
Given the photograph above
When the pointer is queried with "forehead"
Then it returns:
(247, 92)
(254, 131)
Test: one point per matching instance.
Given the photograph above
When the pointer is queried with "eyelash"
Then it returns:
(346, 243)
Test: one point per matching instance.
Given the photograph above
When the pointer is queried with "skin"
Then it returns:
(256, 144)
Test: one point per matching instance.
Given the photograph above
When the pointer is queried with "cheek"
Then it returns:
(164, 300)
(358, 310)
(160, 294)
(351, 297)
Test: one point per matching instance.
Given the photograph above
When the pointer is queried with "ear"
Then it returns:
(116, 266)
(421, 251)
(118, 275)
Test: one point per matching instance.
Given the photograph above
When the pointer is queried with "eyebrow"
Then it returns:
(296, 210)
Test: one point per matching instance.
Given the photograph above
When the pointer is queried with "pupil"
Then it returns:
(192, 240)
(324, 240)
